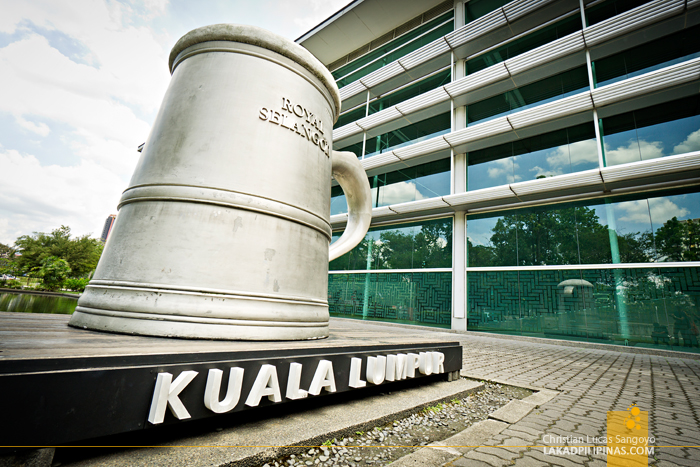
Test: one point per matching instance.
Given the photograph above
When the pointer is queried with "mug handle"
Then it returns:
(352, 178)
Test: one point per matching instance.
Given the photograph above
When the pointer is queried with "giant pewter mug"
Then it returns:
(224, 230)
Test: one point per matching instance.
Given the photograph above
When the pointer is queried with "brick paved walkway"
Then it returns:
(591, 382)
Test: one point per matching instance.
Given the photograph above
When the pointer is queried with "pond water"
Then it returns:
(30, 303)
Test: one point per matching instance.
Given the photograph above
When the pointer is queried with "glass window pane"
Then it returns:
(645, 307)
(523, 44)
(555, 153)
(608, 9)
(351, 116)
(389, 46)
(475, 9)
(657, 131)
(416, 245)
(492, 241)
(548, 235)
(667, 51)
(356, 148)
(401, 186)
(549, 89)
(410, 134)
(399, 52)
(339, 204)
(423, 298)
(415, 183)
(420, 87)
(676, 224)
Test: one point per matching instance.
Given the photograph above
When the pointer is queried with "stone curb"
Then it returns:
(447, 451)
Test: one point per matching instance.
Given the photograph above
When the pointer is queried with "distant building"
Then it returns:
(108, 227)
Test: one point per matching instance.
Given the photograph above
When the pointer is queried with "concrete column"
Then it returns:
(459, 185)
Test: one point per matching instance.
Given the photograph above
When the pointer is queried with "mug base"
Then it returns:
(193, 327)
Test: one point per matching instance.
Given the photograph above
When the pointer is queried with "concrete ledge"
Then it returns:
(425, 457)
(466, 374)
(513, 411)
(453, 447)
(541, 397)
(474, 436)
(251, 444)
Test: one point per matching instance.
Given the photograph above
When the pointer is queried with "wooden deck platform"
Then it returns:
(65, 385)
(45, 336)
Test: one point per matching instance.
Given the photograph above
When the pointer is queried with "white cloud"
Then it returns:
(539, 172)
(503, 167)
(89, 76)
(97, 111)
(41, 198)
(634, 152)
(581, 152)
(132, 62)
(41, 129)
(662, 209)
(156, 7)
(399, 193)
(691, 143)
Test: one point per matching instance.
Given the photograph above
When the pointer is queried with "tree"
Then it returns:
(81, 253)
(678, 240)
(542, 236)
(7, 260)
(480, 255)
(53, 272)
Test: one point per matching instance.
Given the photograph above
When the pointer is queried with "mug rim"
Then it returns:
(259, 37)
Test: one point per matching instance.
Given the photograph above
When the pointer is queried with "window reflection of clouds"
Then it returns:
(691, 143)
(400, 192)
(563, 159)
(575, 154)
(479, 231)
(639, 135)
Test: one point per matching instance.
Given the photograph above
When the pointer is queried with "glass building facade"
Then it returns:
(534, 168)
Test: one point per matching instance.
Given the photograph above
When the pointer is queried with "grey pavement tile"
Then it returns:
(662, 452)
(521, 436)
(425, 457)
(505, 454)
(516, 441)
(462, 462)
(555, 460)
(475, 435)
(529, 462)
(489, 459)
(596, 463)
(663, 463)
(518, 429)
(679, 461)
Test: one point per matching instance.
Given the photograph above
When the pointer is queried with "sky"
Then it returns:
(81, 83)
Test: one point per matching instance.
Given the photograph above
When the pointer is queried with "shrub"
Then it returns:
(76, 285)
(53, 272)
(10, 284)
